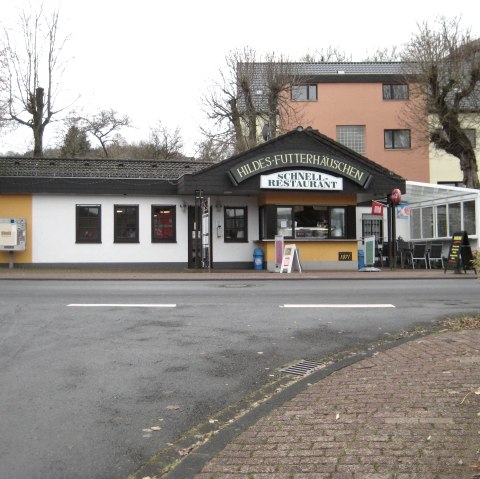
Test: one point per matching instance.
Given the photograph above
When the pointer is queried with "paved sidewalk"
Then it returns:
(151, 274)
(409, 412)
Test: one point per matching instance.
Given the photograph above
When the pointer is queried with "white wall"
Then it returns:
(227, 252)
(53, 232)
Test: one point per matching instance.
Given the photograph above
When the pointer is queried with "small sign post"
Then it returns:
(279, 244)
(290, 256)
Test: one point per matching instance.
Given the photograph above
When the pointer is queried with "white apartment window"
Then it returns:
(352, 136)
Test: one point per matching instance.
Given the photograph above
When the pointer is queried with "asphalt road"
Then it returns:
(87, 368)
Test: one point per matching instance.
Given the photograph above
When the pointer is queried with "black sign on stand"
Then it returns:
(460, 253)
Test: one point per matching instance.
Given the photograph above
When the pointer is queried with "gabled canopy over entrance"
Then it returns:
(317, 160)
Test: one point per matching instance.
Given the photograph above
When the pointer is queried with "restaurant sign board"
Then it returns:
(301, 180)
(302, 159)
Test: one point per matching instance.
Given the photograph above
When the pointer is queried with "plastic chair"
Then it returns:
(419, 253)
(404, 252)
(435, 254)
(383, 253)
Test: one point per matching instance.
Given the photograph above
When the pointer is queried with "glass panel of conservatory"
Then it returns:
(442, 221)
(469, 217)
(454, 218)
(415, 223)
(427, 222)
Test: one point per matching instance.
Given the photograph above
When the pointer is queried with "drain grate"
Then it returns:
(303, 367)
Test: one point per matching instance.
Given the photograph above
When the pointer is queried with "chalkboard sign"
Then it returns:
(460, 253)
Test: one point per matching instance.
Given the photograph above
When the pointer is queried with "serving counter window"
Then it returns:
(313, 222)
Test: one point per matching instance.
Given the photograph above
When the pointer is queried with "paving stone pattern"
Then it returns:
(409, 412)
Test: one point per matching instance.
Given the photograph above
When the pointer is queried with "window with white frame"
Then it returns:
(442, 221)
(442, 225)
(372, 226)
(454, 217)
(352, 136)
(469, 224)
(427, 222)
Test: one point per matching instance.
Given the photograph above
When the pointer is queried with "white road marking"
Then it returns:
(119, 305)
(337, 306)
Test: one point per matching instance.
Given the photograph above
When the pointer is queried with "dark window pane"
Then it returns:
(395, 92)
(388, 139)
(163, 224)
(299, 93)
(284, 221)
(397, 139)
(469, 217)
(88, 224)
(126, 224)
(235, 224)
(304, 92)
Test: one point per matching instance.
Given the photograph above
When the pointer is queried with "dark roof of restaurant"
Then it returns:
(98, 168)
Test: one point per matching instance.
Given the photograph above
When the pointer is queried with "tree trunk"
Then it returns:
(38, 126)
(468, 165)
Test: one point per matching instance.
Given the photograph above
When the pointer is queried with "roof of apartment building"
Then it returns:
(340, 72)
(346, 70)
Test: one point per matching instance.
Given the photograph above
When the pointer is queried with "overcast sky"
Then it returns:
(153, 59)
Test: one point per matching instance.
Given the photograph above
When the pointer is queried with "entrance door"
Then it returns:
(194, 240)
(199, 240)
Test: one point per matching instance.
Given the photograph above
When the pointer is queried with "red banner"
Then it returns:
(377, 208)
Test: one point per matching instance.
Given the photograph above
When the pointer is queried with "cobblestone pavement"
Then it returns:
(409, 412)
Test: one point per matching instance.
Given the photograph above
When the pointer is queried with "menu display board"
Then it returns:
(460, 253)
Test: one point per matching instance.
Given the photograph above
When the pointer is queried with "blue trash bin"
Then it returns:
(258, 256)
(361, 259)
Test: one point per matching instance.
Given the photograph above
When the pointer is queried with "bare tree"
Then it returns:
(165, 144)
(33, 72)
(104, 126)
(250, 96)
(212, 150)
(387, 54)
(445, 61)
(330, 54)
